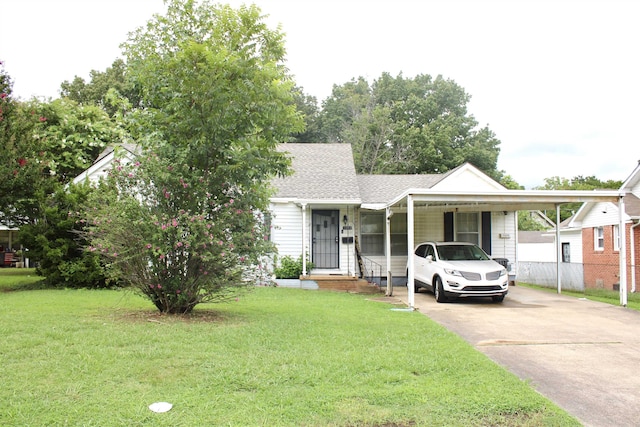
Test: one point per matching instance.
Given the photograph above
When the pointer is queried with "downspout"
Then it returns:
(623, 253)
(558, 249)
(633, 256)
(304, 239)
(387, 250)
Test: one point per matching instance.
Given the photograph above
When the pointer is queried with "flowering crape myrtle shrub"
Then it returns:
(179, 221)
(161, 230)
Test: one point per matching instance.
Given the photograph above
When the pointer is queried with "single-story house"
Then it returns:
(336, 217)
(350, 225)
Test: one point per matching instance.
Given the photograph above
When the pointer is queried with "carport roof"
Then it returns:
(502, 200)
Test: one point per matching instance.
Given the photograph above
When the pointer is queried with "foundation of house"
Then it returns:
(340, 283)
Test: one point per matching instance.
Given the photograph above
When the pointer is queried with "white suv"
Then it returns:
(457, 269)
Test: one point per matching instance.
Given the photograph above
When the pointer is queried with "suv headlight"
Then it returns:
(503, 272)
(452, 272)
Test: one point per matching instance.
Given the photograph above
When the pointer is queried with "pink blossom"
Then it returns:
(179, 244)
(148, 245)
(159, 286)
(164, 226)
(178, 292)
(231, 201)
(115, 254)
(161, 256)
(174, 222)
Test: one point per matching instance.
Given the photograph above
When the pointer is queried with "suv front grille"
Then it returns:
(471, 276)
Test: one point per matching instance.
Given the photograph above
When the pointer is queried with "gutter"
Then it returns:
(633, 256)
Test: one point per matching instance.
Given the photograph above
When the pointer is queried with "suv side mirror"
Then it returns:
(430, 258)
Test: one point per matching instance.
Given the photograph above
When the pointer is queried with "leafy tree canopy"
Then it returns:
(408, 125)
(95, 91)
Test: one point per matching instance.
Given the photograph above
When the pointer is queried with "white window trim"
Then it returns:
(597, 239)
(616, 238)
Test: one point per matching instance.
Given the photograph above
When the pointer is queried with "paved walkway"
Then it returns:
(582, 355)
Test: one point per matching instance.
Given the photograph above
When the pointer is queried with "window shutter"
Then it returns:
(486, 232)
(448, 227)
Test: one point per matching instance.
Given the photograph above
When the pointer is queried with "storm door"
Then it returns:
(325, 235)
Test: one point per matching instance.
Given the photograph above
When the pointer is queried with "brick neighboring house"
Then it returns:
(600, 224)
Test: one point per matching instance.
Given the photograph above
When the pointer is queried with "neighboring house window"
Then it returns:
(399, 234)
(598, 238)
(616, 237)
(468, 227)
(372, 233)
(566, 252)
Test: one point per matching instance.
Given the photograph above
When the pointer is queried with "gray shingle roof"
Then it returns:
(632, 205)
(384, 188)
(535, 237)
(320, 172)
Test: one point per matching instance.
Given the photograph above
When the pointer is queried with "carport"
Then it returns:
(500, 201)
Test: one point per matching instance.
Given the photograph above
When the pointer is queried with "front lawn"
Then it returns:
(12, 279)
(275, 357)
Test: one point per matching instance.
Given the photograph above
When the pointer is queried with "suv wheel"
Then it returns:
(438, 290)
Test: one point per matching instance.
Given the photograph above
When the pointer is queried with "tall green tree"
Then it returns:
(308, 106)
(409, 125)
(576, 183)
(182, 224)
(95, 91)
(24, 160)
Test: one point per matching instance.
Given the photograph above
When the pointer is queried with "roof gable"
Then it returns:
(632, 183)
(467, 177)
(102, 164)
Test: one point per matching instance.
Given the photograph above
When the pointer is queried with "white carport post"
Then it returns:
(387, 251)
(622, 232)
(410, 244)
(304, 239)
(558, 249)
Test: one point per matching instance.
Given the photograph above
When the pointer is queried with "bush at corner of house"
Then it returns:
(290, 268)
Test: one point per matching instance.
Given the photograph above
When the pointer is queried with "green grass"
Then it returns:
(12, 279)
(601, 295)
(275, 357)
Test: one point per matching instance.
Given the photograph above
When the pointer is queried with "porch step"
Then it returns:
(342, 283)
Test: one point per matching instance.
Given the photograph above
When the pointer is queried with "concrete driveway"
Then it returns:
(582, 355)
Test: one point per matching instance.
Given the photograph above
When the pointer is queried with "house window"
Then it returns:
(372, 233)
(468, 227)
(598, 238)
(616, 237)
(372, 229)
(399, 234)
(566, 252)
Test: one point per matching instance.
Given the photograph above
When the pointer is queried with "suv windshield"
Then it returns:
(461, 253)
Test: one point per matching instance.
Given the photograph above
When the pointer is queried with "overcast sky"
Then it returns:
(557, 81)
